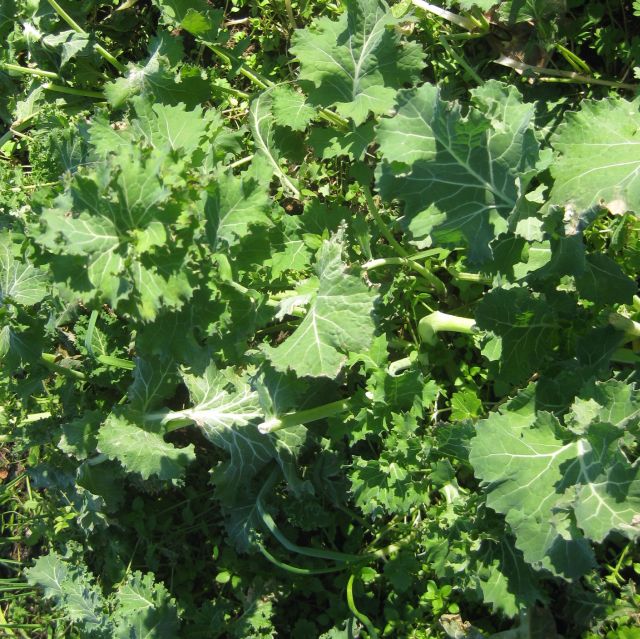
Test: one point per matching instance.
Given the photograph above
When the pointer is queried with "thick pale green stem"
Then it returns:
(111, 59)
(373, 634)
(543, 73)
(71, 91)
(625, 324)
(434, 323)
(375, 214)
(49, 360)
(304, 416)
(41, 73)
(409, 262)
(454, 18)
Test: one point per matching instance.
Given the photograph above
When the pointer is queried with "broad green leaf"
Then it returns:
(460, 178)
(290, 108)
(72, 590)
(196, 16)
(142, 451)
(158, 79)
(154, 380)
(20, 282)
(521, 331)
(262, 123)
(556, 490)
(339, 321)
(358, 62)
(233, 204)
(597, 158)
(505, 580)
(144, 610)
(80, 436)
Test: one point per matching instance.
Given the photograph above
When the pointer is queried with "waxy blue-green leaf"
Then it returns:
(460, 178)
(557, 490)
(357, 62)
(262, 122)
(126, 439)
(144, 610)
(597, 158)
(20, 282)
(521, 329)
(339, 321)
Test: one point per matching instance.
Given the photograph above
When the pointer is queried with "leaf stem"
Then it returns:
(409, 262)
(111, 59)
(564, 76)
(375, 214)
(316, 553)
(625, 324)
(432, 324)
(460, 60)
(461, 21)
(304, 416)
(296, 570)
(29, 71)
(71, 91)
(359, 615)
(49, 360)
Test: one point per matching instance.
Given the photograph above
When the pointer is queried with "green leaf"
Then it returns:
(522, 331)
(339, 321)
(233, 204)
(142, 451)
(158, 78)
(144, 610)
(461, 178)
(290, 108)
(597, 158)
(72, 590)
(262, 123)
(555, 489)
(505, 580)
(20, 282)
(358, 62)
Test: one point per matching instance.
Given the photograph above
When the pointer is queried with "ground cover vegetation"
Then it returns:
(319, 319)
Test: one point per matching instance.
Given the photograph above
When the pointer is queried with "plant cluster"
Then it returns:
(320, 319)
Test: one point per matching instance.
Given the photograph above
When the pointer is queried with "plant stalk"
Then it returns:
(41, 73)
(564, 76)
(304, 416)
(71, 91)
(111, 59)
(432, 324)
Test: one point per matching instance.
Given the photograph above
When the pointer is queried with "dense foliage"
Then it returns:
(316, 322)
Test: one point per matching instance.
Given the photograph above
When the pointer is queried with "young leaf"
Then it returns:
(358, 62)
(461, 178)
(556, 490)
(338, 322)
(597, 159)
(142, 451)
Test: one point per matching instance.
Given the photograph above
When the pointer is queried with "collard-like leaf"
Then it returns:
(460, 178)
(557, 490)
(597, 159)
(262, 122)
(72, 590)
(144, 610)
(290, 108)
(233, 204)
(143, 451)
(521, 329)
(20, 282)
(358, 62)
(339, 321)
